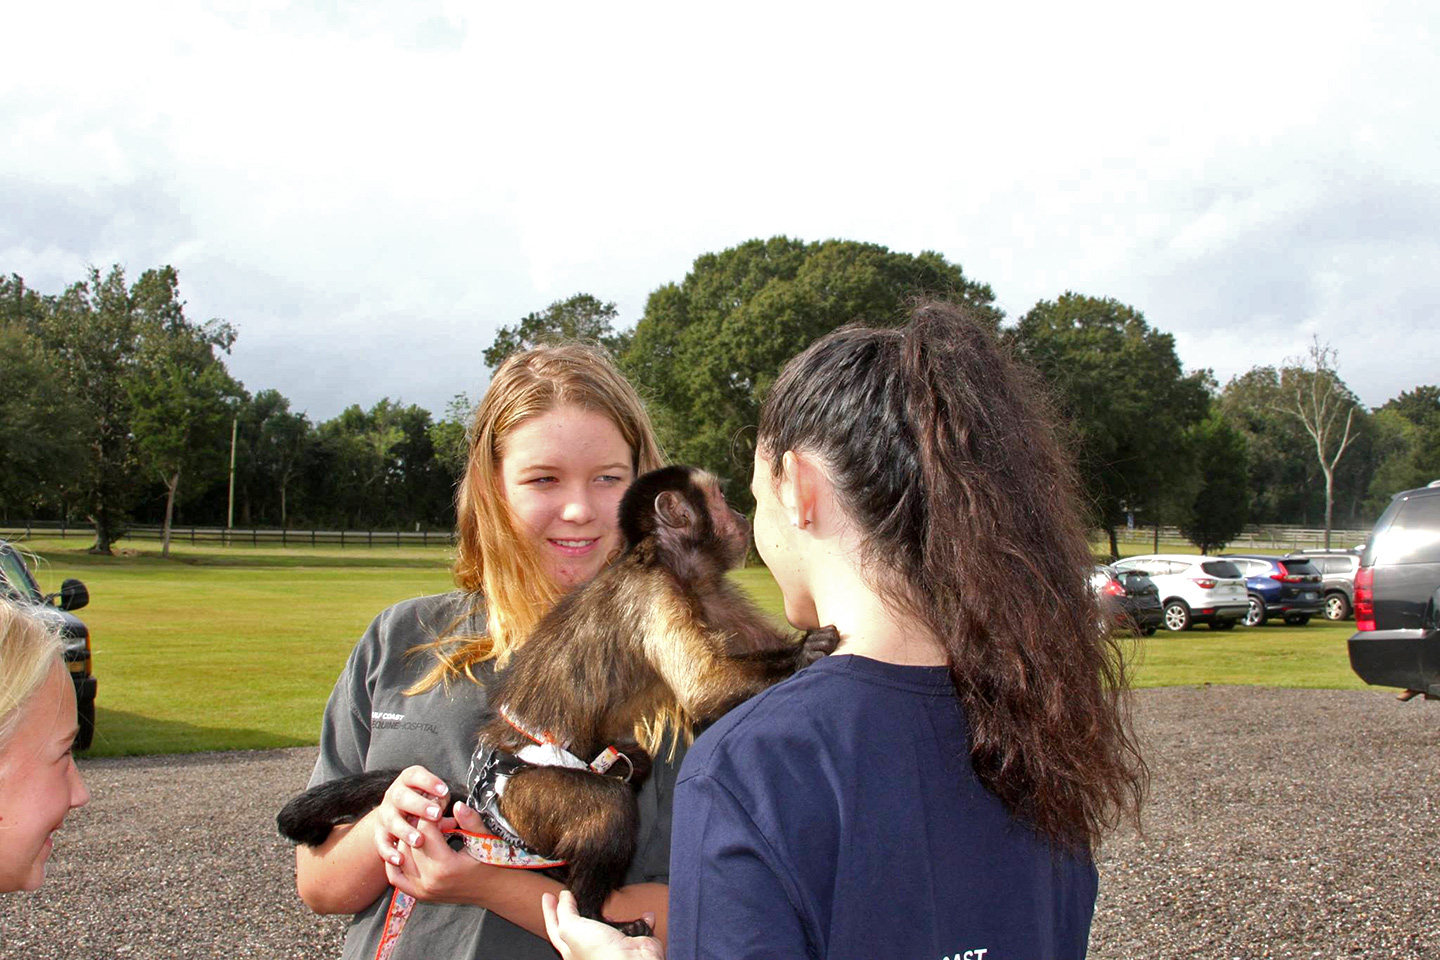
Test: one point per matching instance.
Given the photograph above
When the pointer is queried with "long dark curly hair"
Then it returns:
(942, 449)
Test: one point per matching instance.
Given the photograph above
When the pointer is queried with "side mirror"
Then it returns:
(73, 595)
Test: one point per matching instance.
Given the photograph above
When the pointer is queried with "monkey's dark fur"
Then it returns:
(661, 632)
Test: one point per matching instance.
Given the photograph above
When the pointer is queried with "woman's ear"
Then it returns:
(800, 488)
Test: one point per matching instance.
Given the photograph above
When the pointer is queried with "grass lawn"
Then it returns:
(234, 648)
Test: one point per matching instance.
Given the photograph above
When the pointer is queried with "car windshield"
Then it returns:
(15, 582)
(1222, 568)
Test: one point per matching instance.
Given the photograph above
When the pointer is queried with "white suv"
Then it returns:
(1194, 589)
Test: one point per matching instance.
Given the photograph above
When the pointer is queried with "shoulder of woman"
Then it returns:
(425, 619)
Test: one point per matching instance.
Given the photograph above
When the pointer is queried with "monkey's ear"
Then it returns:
(673, 509)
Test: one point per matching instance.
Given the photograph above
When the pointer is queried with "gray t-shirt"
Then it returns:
(370, 724)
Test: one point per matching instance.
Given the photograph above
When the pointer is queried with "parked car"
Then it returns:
(1130, 600)
(18, 585)
(1397, 597)
(1193, 589)
(1289, 587)
(1338, 567)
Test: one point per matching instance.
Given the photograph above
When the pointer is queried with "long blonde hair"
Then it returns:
(495, 565)
(29, 649)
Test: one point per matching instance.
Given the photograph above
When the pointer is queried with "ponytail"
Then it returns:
(941, 449)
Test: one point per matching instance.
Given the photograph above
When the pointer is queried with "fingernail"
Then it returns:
(414, 839)
(441, 789)
(395, 859)
(432, 812)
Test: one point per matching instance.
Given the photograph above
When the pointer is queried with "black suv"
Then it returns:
(1397, 597)
(18, 586)
(1338, 567)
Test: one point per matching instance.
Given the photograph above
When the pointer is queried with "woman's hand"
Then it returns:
(428, 869)
(417, 796)
(578, 938)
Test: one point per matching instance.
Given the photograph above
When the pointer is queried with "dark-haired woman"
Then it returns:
(935, 787)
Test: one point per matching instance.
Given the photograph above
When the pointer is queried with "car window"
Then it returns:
(1221, 568)
(1302, 568)
(1414, 537)
(15, 582)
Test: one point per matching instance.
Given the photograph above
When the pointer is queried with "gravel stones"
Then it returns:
(1281, 823)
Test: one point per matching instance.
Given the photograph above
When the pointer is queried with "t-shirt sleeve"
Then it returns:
(730, 895)
(345, 728)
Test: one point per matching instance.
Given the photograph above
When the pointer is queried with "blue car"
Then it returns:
(1289, 587)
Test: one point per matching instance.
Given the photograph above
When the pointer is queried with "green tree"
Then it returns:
(41, 422)
(1281, 469)
(708, 348)
(581, 317)
(1128, 401)
(449, 435)
(182, 400)
(272, 441)
(116, 343)
(94, 329)
(1406, 445)
(1218, 512)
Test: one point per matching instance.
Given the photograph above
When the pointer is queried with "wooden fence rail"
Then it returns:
(253, 536)
(1272, 538)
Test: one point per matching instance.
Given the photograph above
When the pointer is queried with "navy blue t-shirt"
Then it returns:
(837, 815)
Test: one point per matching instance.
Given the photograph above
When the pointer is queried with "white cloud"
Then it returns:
(368, 192)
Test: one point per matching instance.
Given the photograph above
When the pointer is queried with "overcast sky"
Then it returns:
(368, 195)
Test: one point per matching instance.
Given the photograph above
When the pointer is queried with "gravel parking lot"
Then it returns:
(1282, 823)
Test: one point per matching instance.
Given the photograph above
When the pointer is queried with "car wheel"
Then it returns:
(1336, 607)
(1222, 624)
(1177, 616)
(1298, 619)
(1255, 615)
(85, 713)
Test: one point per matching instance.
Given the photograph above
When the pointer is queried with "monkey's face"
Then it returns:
(563, 474)
(730, 527)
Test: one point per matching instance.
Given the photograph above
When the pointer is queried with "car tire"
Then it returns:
(1177, 616)
(1222, 624)
(85, 714)
(1298, 619)
(1337, 607)
(1255, 616)
(1148, 631)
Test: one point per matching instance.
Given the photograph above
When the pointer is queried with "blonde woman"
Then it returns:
(39, 783)
(554, 443)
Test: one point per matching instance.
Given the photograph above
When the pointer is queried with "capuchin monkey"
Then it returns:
(659, 637)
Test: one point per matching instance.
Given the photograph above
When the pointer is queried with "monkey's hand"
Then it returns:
(817, 643)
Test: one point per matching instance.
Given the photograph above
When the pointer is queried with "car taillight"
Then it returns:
(1365, 598)
(1114, 589)
(1205, 584)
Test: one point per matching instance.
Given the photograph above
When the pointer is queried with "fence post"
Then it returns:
(369, 538)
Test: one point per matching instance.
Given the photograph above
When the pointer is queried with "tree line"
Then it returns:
(117, 408)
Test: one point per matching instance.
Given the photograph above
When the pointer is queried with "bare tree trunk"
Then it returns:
(1329, 502)
(172, 484)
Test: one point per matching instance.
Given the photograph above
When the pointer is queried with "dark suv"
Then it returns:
(1288, 587)
(1339, 568)
(18, 586)
(1397, 597)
